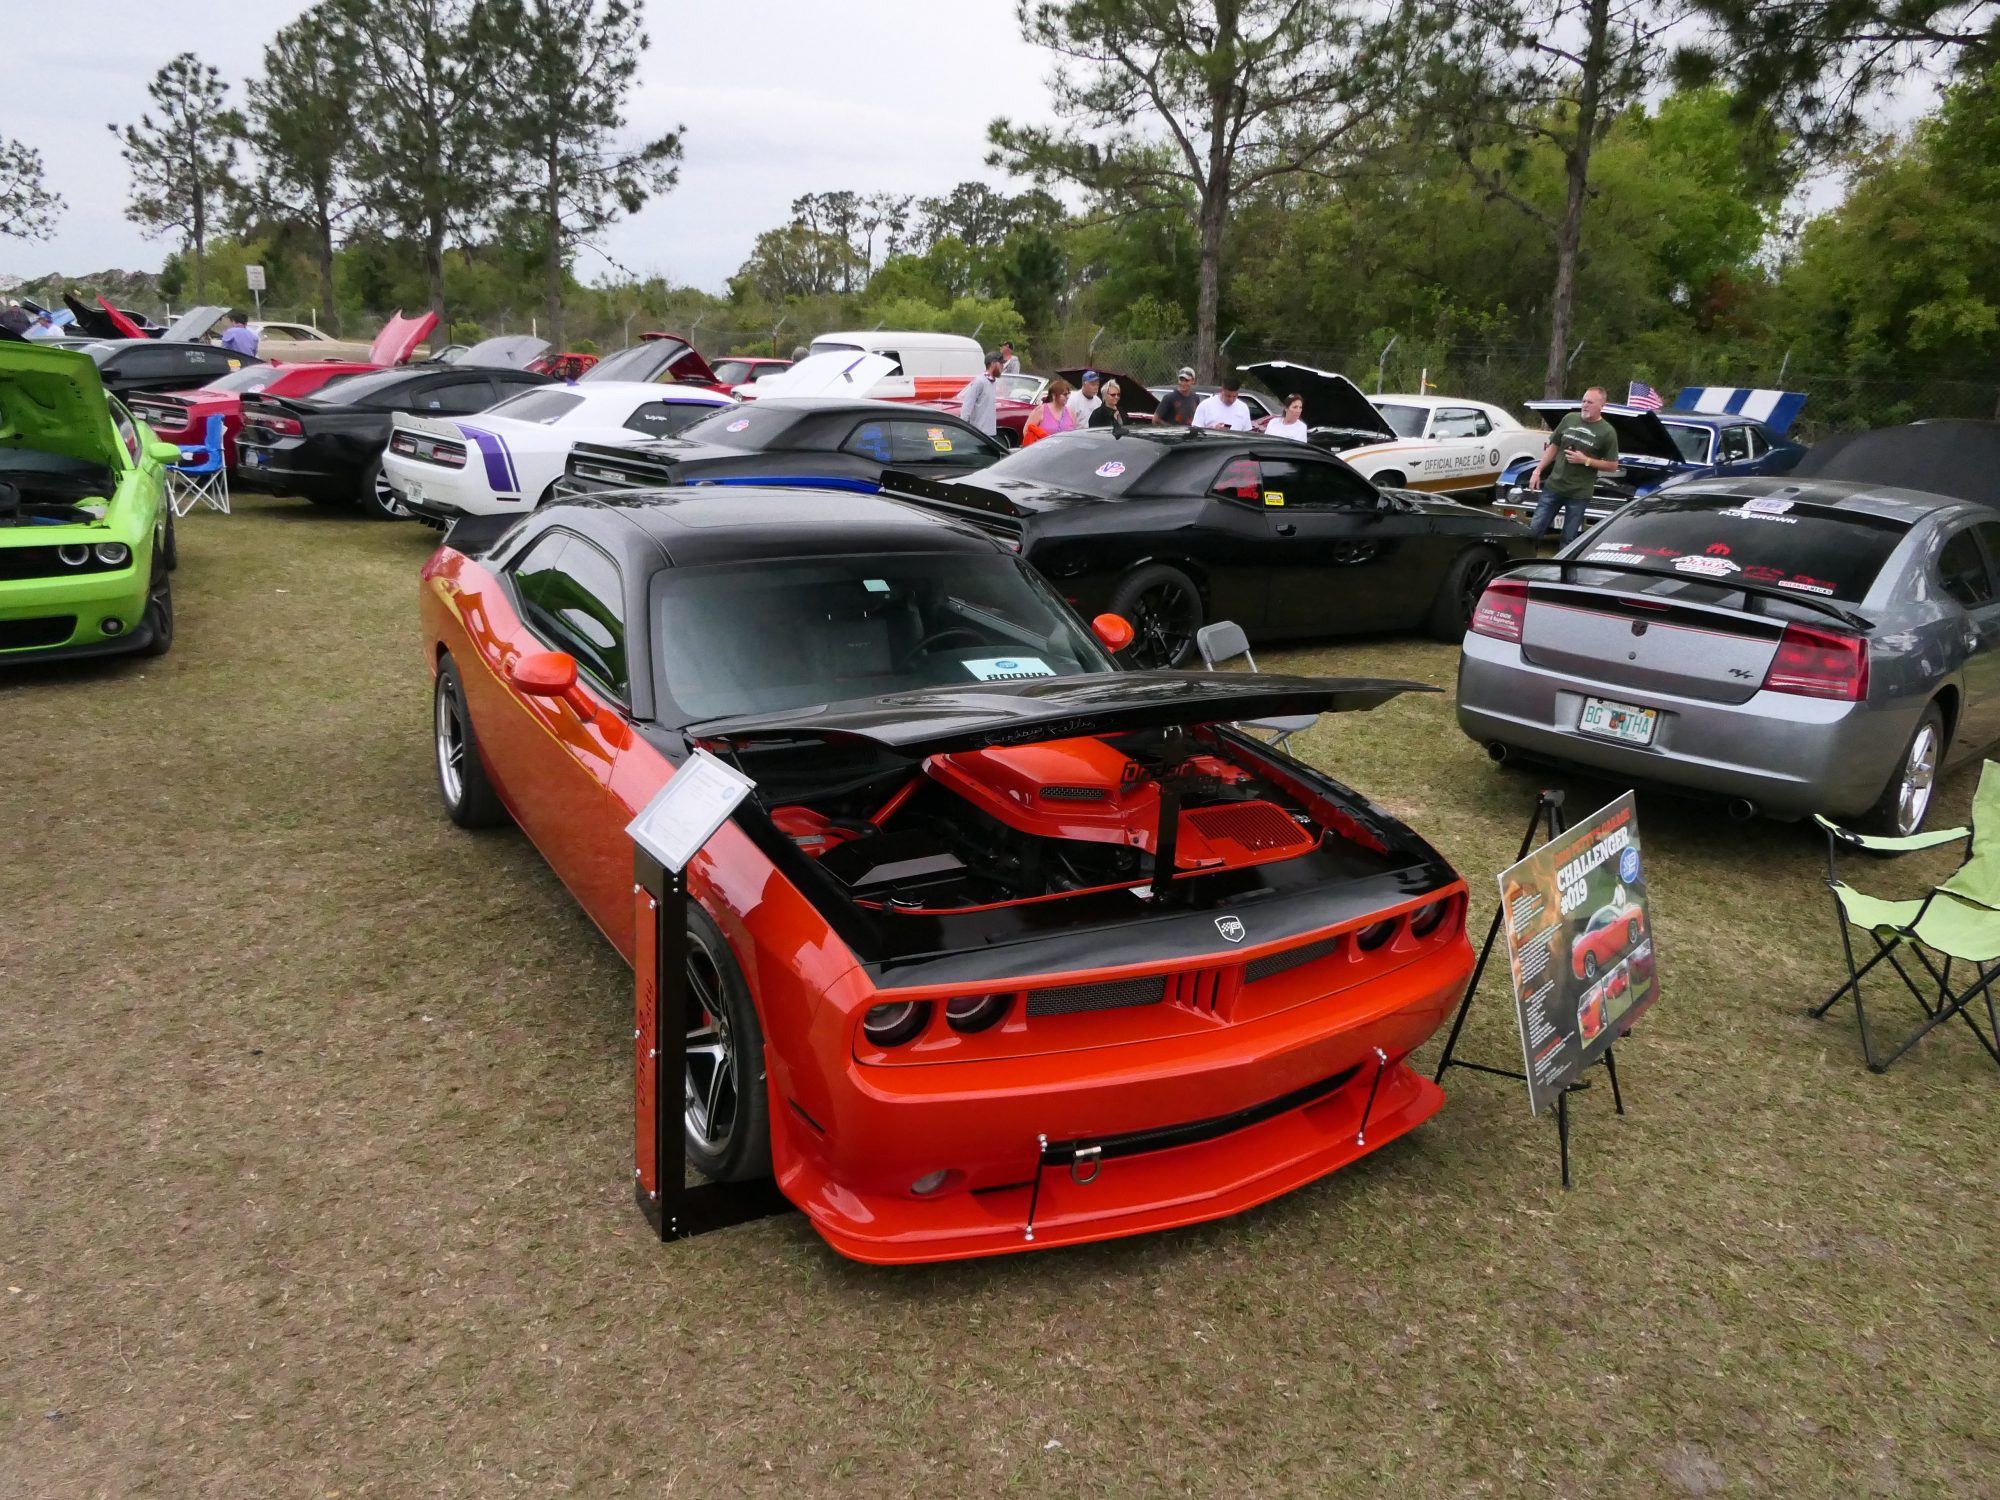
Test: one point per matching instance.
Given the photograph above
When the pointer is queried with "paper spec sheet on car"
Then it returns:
(1580, 945)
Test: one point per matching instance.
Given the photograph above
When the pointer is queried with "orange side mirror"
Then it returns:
(1113, 632)
(552, 674)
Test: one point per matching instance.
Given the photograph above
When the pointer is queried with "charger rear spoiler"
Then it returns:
(962, 500)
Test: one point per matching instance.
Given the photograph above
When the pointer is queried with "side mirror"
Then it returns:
(552, 674)
(160, 451)
(1113, 632)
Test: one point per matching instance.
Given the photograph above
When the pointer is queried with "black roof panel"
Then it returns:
(700, 524)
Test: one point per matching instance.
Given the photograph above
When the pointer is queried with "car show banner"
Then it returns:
(1580, 944)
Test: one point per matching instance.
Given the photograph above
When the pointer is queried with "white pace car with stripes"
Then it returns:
(506, 460)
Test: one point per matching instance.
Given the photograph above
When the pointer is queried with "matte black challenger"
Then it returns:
(805, 442)
(1175, 527)
(328, 446)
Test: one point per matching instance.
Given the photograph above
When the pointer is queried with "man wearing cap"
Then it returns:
(977, 405)
(1083, 400)
(1223, 409)
(1179, 404)
(1009, 365)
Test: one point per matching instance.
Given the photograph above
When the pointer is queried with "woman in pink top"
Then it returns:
(1053, 414)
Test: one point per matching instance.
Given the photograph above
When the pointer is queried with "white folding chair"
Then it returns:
(1224, 641)
(202, 476)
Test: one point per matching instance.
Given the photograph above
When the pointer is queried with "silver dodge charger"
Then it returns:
(1789, 646)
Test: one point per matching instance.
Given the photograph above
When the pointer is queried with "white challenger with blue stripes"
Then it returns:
(506, 460)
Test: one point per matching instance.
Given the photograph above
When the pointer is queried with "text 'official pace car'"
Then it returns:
(1009, 948)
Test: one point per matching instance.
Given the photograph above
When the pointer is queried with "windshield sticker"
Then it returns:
(1768, 505)
(935, 434)
(941, 445)
(1274, 497)
(1747, 513)
(875, 585)
(1008, 668)
(1705, 567)
(1110, 470)
(738, 425)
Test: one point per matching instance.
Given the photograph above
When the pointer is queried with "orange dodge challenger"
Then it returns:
(1009, 948)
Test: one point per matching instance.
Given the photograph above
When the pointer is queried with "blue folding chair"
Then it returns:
(201, 477)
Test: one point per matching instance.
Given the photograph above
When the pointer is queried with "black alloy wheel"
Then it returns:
(1458, 596)
(1589, 966)
(1164, 609)
(159, 616)
(724, 1110)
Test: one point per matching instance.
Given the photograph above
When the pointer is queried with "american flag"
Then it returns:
(1643, 396)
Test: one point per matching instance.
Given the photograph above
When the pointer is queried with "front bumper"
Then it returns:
(1787, 754)
(987, 1123)
(32, 612)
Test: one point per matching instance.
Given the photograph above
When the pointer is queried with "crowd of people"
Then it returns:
(1100, 402)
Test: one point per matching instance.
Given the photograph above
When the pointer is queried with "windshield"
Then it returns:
(543, 406)
(1692, 441)
(1094, 462)
(767, 636)
(1019, 387)
(741, 371)
(1408, 421)
(1813, 549)
(754, 426)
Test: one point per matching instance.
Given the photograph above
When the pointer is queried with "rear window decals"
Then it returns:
(738, 425)
(1705, 567)
(1110, 470)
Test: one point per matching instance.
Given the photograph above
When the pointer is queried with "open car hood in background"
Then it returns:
(97, 322)
(658, 358)
(1133, 397)
(932, 721)
(510, 351)
(1331, 399)
(1960, 459)
(399, 338)
(193, 325)
(1777, 410)
(838, 372)
(1640, 433)
(53, 400)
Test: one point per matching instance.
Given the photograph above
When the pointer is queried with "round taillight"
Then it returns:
(73, 557)
(895, 1022)
(1425, 920)
(975, 1012)
(1375, 934)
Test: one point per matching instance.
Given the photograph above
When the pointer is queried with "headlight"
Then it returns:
(113, 554)
(73, 556)
(897, 1021)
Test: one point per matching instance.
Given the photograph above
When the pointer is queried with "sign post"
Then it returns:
(669, 831)
(253, 277)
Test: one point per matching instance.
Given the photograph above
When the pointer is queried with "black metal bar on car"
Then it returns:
(1191, 1132)
(1567, 567)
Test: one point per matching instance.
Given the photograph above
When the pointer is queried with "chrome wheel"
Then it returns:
(1913, 796)
(712, 1092)
(1164, 620)
(385, 497)
(450, 744)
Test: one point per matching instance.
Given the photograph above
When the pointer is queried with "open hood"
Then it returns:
(52, 400)
(1641, 434)
(659, 358)
(1133, 397)
(194, 325)
(931, 721)
(1777, 410)
(1331, 399)
(838, 372)
(510, 351)
(399, 338)
(99, 322)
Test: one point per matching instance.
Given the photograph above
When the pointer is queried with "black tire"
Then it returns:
(1907, 796)
(1164, 609)
(328, 498)
(726, 1112)
(168, 546)
(1464, 581)
(1390, 479)
(1589, 967)
(159, 616)
(468, 797)
(377, 501)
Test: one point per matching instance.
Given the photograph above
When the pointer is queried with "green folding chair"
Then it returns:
(1957, 921)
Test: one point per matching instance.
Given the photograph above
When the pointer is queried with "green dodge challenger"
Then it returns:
(86, 533)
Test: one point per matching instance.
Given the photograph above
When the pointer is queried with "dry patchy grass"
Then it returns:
(317, 1164)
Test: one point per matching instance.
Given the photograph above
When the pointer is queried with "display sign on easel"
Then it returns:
(666, 836)
(1580, 947)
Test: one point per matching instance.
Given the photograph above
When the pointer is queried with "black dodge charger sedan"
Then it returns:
(804, 442)
(328, 446)
(1175, 527)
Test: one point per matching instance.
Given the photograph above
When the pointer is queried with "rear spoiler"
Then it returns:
(1751, 591)
(961, 501)
(475, 536)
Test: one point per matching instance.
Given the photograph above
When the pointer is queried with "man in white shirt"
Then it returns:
(977, 403)
(1084, 399)
(1009, 364)
(1291, 424)
(1223, 409)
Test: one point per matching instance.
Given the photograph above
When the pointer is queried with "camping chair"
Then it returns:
(201, 475)
(1957, 921)
(1225, 641)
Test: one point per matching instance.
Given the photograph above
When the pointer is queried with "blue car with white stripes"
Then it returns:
(805, 442)
(1710, 431)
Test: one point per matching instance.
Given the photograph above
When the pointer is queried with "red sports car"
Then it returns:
(182, 416)
(1611, 930)
(994, 904)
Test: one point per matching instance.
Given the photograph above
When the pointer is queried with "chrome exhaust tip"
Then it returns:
(1496, 750)
(1742, 809)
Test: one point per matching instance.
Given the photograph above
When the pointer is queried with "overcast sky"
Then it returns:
(779, 97)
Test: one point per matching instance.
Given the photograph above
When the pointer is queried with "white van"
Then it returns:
(929, 366)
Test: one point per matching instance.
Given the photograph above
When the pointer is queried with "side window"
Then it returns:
(1460, 422)
(575, 600)
(460, 397)
(1735, 445)
(1306, 485)
(891, 354)
(1760, 441)
(1239, 480)
(665, 418)
(918, 443)
(1962, 570)
(1988, 533)
(870, 440)
(128, 431)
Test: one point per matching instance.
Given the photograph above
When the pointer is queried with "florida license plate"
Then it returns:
(1617, 721)
(413, 494)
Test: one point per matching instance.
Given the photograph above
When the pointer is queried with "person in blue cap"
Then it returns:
(1083, 400)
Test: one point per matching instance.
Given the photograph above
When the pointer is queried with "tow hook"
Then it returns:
(1094, 1155)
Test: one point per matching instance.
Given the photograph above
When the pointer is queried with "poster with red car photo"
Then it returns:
(1580, 945)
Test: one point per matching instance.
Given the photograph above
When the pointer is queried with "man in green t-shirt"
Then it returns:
(1582, 447)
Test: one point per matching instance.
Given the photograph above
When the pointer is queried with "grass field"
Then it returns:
(317, 1163)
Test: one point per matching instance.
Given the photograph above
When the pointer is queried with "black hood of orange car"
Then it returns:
(932, 721)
